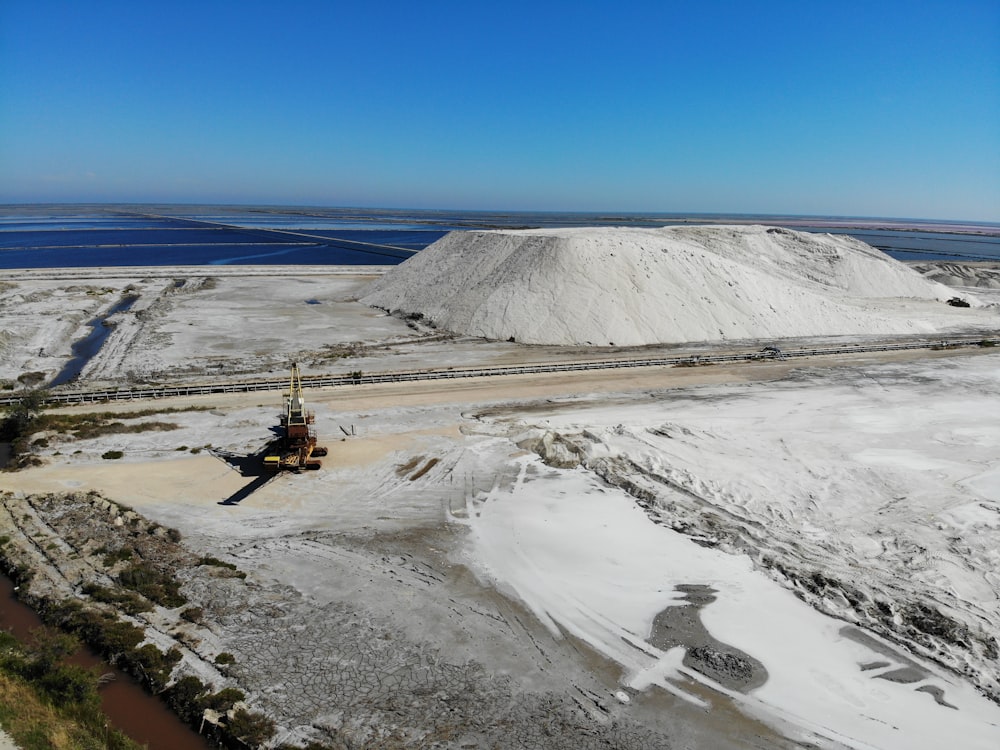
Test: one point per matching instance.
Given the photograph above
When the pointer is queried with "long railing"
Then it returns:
(320, 381)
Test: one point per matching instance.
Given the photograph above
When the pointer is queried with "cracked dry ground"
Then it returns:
(352, 675)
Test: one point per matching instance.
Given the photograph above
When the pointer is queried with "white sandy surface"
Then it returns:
(885, 480)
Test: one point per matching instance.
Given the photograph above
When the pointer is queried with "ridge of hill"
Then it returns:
(608, 286)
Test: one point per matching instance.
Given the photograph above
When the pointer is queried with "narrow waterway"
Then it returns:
(87, 348)
(131, 709)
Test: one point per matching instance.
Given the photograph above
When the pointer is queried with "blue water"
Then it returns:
(54, 236)
(86, 348)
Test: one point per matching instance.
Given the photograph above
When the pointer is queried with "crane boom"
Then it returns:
(296, 449)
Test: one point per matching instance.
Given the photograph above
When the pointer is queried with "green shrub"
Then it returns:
(225, 658)
(222, 700)
(67, 684)
(127, 601)
(184, 698)
(120, 554)
(215, 562)
(155, 665)
(156, 586)
(112, 455)
(251, 728)
(102, 630)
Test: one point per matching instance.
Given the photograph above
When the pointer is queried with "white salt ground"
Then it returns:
(606, 286)
(887, 478)
(588, 562)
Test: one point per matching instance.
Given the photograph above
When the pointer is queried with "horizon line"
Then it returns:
(583, 212)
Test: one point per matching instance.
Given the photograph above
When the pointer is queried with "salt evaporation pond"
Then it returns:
(93, 236)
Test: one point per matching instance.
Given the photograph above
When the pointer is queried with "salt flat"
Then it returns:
(770, 555)
(866, 476)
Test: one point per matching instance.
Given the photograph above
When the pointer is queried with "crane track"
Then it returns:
(320, 381)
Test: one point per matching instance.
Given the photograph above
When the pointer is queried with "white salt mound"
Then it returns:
(629, 287)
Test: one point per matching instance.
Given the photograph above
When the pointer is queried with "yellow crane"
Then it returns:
(296, 448)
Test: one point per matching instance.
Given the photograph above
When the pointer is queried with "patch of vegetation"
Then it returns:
(127, 601)
(217, 563)
(154, 665)
(25, 417)
(252, 728)
(28, 419)
(19, 424)
(225, 658)
(987, 342)
(47, 703)
(86, 426)
(223, 700)
(189, 697)
(115, 556)
(153, 584)
(112, 455)
(184, 698)
(102, 630)
(193, 614)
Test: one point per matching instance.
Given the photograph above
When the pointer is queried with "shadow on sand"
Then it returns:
(248, 465)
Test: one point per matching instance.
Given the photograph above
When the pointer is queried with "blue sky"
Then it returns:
(843, 108)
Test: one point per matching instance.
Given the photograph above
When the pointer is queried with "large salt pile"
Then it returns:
(627, 286)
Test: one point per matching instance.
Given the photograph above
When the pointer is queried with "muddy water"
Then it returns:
(128, 707)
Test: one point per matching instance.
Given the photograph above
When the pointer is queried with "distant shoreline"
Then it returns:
(111, 236)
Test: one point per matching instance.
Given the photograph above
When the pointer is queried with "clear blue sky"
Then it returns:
(848, 108)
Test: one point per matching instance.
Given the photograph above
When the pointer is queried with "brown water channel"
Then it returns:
(131, 709)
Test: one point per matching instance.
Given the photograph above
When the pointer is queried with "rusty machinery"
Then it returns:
(296, 448)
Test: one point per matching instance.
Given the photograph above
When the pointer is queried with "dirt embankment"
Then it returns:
(332, 673)
(112, 577)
